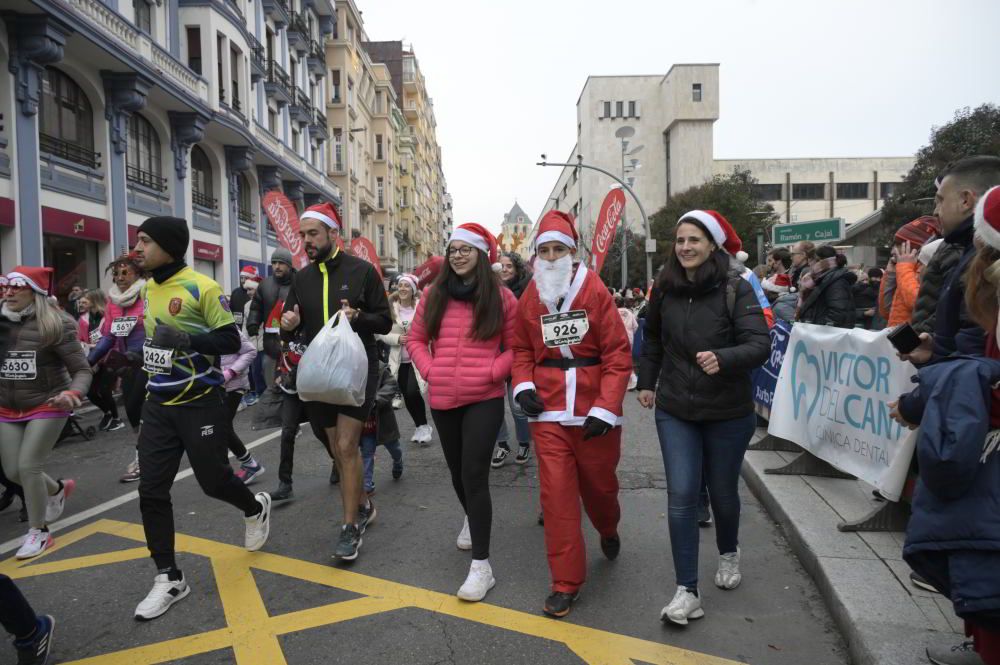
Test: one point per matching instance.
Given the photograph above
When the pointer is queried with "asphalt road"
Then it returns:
(396, 603)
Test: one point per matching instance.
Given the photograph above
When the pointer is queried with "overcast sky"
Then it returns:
(850, 78)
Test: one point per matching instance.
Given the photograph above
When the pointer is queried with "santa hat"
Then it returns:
(722, 232)
(987, 218)
(248, 271)
(409, 279)
(556, 226)
(324, 212)
(777, 283)
(39, 279)
(428, 270)
(477, 236)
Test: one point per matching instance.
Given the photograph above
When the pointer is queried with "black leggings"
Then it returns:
(411, 394)
(134, 393)
(233, 441)
(467, 436)
(100, 393)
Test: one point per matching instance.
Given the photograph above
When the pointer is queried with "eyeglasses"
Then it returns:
(464, 251)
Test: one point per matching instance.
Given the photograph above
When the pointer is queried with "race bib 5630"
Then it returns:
(19, 366)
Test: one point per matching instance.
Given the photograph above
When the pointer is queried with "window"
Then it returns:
(767, 192)
(338, 149)
(887, 189)
(220, 45)
(852, 190)
(808, 191)
(696, 92)
(619, 109)
(380, 191)
(143, 16)
(295, 140)
(335, 85)
(379, 104)
(66, 126)
(235, 58)
(201, 179)
(631, 110)
(404, 200)
(194, 49)
(607, 110)
(244, 209)
(272, 121)
(142, 161)
(379, 151)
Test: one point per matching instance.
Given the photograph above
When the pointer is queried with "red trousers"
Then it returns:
(571, 469)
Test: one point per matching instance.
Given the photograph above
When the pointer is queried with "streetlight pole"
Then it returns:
(642, 211)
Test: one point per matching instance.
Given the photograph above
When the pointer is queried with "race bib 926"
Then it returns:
(564, 328)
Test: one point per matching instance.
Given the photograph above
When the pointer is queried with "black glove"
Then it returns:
(253, 329)
(530, 404)
(594, 427)
(168, 337)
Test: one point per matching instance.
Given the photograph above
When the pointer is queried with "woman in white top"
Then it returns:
(411, 384)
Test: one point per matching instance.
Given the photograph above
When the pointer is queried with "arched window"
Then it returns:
(66, 125)
(143, 163)
(201, 179)
(244, 209)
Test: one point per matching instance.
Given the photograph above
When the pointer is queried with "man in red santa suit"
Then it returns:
(572, 364)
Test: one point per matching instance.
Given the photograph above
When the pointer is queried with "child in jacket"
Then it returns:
(381, 429)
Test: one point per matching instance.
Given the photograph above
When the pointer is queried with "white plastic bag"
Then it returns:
(334, 368)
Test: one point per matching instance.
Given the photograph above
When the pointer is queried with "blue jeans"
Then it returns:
(257, 381)
(368, 444)
(691, 449)
(520, 421)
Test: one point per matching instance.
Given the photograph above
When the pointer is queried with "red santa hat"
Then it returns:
(38, 279)
(987, 218)
(777, 284)
(556, 226)
(722, 232)
(428, 270)
(324, 212)
(248, 271)
(480, 238)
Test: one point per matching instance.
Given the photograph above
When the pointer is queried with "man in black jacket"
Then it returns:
(336, 280)
(266, 307)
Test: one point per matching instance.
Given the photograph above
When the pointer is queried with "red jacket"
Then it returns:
(460, 370)
(573, 394)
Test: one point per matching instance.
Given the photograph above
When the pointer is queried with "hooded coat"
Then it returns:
(830, 302)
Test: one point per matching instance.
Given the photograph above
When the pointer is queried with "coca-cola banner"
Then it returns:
(285, 219)
(607, 221)
(363, 248)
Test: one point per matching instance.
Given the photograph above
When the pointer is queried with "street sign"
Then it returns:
(819, 231)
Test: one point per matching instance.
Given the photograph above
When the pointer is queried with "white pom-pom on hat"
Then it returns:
(742, 256)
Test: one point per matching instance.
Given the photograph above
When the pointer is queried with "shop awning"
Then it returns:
(74, 225)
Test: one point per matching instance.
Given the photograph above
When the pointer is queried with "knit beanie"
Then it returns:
(283, 255)
(170, 233)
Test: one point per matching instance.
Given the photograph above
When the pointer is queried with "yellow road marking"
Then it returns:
(253, 634)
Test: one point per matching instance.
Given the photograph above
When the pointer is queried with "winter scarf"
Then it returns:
(17, 317)
(127, 298)
(809, 280)
(458, 289)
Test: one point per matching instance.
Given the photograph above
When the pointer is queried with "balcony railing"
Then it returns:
(300, 109)
(297, 32)
(204, 200)
(69, 151)
(279, 80)
(317, 58)
(258, 59)
(145, 178)
(246, 219)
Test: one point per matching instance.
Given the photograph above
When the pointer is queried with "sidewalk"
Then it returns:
(884, 619)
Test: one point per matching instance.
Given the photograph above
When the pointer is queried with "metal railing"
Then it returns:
(278, 76)
(246, 218)
(319, 118)
(317, 51)
(145, 178)
(298, 24)
(204, 200)
(69, 151)
(257, 53)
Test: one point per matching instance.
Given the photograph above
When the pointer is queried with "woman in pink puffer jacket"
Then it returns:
(460, 342)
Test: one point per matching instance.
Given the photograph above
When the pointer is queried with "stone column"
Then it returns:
(186, 129)
(125, 93)
(36, 40)
(269, 178)
(239, 159)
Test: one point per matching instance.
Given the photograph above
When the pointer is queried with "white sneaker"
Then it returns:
(36, 542)
(397, 403)
(684, 606)
(259, 526)
(57, 502)
(728, 576)
(479, 581)
(163, 594)
(464, 541)
(423, 434)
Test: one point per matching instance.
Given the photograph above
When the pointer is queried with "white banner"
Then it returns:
(833, 397)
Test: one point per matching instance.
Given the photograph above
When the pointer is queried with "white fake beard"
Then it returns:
(553, 278)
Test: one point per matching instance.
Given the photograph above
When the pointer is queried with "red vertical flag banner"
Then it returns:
(285, 219)
(363, 248)
(607, 221)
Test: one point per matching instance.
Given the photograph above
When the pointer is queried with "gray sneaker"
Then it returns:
(349, 543)
(960, 654)
(366, 516)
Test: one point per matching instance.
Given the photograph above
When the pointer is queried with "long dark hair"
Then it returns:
(673, 278)
(488, 312)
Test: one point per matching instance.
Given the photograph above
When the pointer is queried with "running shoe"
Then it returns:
(500, 456)
(105, 421)
(258, 527)
(349, 543)
(366, 516)
(250, 399)
(36, 542)
(704, 515)
(397, 470)
(334, 474)
(523, 453)
(35, 649)
(115, 425)
(728, 576)
(559, 603)
(464, 540)
(611, 546)
(249, 470)
(397, 402)
(131, 474)
(685, 605)
(479, 581)
(57, 502)
(283, 493)
(165, 592)
(921, 583)
(423, 434)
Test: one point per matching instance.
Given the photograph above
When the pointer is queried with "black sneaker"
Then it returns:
(349, 543)
(35, 651)
(283, 493)
(366, 516)
(115, 425)
(334, 474)
(397, 470)
(611, 547)
(105, 421)
(921, 583)
(523, 453)
(704, 515)
(960, 654)
(559, 603)
(500, 456)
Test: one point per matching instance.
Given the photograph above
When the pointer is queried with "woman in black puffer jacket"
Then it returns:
(705, 332)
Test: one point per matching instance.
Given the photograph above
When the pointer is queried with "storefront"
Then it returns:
(207, 258)
(71, 247)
